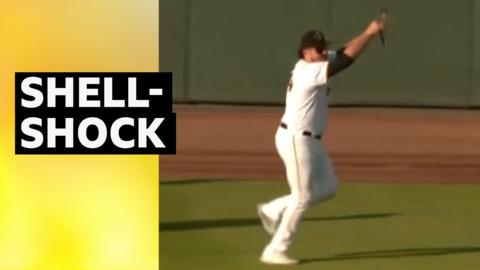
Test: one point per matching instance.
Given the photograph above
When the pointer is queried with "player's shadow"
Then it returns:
(247, 222)
(188, 181)
(396, 253)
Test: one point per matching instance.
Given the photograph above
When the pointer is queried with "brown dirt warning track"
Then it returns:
(365, 144)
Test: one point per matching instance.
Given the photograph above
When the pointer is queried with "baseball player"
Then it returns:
(298, 139)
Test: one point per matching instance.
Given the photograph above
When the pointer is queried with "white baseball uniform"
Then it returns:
(309, 172)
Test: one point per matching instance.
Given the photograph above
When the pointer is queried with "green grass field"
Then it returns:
(213, 225)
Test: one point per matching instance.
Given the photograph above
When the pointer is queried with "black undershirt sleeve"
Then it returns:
(339, 63)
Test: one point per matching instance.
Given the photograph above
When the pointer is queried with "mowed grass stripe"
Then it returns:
(213, 225)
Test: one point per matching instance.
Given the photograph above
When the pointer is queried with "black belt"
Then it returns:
(304, 133)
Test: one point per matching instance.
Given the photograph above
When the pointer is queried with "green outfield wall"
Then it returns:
(243, 51)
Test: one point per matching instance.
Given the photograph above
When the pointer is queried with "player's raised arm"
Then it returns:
(356, 46)
(347, 54)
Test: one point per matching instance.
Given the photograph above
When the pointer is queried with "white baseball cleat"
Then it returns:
(269, 224)
(279, 258)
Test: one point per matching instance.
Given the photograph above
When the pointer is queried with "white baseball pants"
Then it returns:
(311, 179)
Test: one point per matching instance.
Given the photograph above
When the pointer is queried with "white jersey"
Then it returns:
(306, 101)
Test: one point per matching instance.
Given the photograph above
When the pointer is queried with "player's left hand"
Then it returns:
(374, 27)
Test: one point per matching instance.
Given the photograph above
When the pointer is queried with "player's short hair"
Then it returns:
(312, 39)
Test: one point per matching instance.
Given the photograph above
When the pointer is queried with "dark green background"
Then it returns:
(243, 51)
